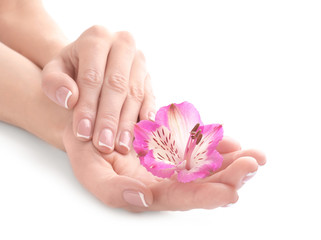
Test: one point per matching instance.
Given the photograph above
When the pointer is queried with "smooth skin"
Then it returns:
(107, 176)
(105, 68)
(116, 179)
(104, 72)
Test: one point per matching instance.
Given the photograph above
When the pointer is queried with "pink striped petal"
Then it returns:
(143, 133)
(180, 120)
(157, 167)
(212, 135)
(207, 166)
(205, 159)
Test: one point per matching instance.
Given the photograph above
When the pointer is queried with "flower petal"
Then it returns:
(152, 136)
(205, 150)
(143, 133)
(180, 120)
(209, 165)
(157, 167)
(212, 135)
(204, 158)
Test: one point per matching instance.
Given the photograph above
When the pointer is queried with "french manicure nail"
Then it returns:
(106, 138)
(124, 140)
(229, 205)
(62, 95)
(151, 116)
(135, 198)
(248, 177)
(84, 128)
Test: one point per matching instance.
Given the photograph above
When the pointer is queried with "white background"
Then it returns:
(253, 66)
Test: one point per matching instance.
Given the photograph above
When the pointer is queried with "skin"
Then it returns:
(106, 175)
(104, 71)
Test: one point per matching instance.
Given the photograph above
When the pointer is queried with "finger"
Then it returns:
(237, 173)
(231, 157)
(114, 92)
(92, 49)
(58, 85)
(98, 176)
(132, 105)
(148, 109)
(184, 196)
(228, 145)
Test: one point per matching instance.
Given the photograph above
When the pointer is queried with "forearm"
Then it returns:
(26, 27)
(22, 102)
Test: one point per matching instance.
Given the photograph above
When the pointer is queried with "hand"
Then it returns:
(103, 77)
(120, 181)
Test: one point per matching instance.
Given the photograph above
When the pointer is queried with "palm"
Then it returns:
(97, 171)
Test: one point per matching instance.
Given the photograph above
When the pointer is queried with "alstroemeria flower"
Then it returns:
(178, 142)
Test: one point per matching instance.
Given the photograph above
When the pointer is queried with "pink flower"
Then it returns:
(178, 142)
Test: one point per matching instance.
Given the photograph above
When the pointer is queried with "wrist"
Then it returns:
(37, 42)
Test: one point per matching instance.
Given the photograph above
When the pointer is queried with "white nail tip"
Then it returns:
(67, 98)
(251, 174)
(229, 205)
(104, 145)
(124, 145)
(83, 136)
(141, 195)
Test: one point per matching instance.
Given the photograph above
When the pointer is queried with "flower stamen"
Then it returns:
(195, 128)
(194, 139)
(199, 138)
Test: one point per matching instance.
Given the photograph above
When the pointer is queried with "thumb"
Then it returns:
(124, 192)
(98, 176)
(58, 85)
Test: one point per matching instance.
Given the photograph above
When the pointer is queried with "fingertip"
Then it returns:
(254, 153)
(62, 97)
(124, 142)
(125, 192)
(147, 114)
(235, 174)
(84, 130)
(104, 140)
(102, 147)
(60, 88)
(228, 145)
(246, 164)
(261, 157)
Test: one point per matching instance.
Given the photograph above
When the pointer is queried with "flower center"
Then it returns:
(193, 140)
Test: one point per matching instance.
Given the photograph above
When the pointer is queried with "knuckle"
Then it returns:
(111, 120)
(136, 93)
(91, 77)
(129, 125)
(126, 37)
(118, 82)
(85, 109)
(98, 31)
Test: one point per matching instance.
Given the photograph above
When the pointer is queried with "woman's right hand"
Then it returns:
(121, 181)
(102, 76)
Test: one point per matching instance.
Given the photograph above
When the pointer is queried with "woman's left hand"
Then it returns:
(103, 77)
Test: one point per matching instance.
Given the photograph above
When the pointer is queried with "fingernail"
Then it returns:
(106, 138)
(84, 129)
(248, 177)
(135, 198)
(62, 96)
(229, 205)
(124, 140)
(151, 116)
